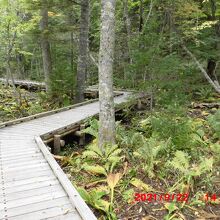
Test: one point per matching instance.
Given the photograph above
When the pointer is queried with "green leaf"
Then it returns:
(141, 185)
(110, 150)
(95, 169)
(84, 194)
(90, 154)
(171, 207)
(96, 149)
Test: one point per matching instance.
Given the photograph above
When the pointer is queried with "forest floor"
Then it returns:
(165, 164)
(24, 103)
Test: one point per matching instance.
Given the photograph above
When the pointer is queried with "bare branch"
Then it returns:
(213, 84)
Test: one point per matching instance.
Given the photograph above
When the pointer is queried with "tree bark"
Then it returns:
(106, 54)
(127, 22)
(83, 51)
(71, 51)
(45, 45)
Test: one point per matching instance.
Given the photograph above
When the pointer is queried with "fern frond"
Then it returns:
(180, 161)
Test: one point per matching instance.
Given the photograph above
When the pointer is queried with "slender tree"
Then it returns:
(83, 50)
(45, 44)
(127, 22)
(106, 54)
(141, 22)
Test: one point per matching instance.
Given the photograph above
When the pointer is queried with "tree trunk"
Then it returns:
(128, 29)
(20, 66)
(83, 50)
(106, 54)
(141, 22)
(45, 45)
(71, 51)
(211, 67)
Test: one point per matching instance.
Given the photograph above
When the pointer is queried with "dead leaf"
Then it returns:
(125, 169)
(113, 179)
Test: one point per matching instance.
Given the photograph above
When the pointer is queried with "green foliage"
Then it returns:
(94, 198)
(204, 93)
(93, 128)
(186, 172)
(178, 129)
(214, 121)
(150, 152)
(108, 159)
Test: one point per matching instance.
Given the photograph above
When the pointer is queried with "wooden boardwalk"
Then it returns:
(26, 84)
(32, 185)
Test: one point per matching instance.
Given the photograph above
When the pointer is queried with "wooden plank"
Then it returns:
(11, 148)
(14, 147)
(68, 216)
(18, 149)
(19, 131)
(21, 157)
(29, 208)
(32, 200)
(74, 196)
(24, 168)
(32, 192)
(23, 176)
(6, 153)
(25, 171)
(8, 137)
(11, 191)
(30, 152)
(31, 182)
(11, 141)
(47, 213)
(24, 163)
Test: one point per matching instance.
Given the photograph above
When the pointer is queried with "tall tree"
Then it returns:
(141, 22)
(127, 22)
(106, 54)
(45, 44)
(83, 50)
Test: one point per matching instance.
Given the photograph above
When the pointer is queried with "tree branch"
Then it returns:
(213, 84)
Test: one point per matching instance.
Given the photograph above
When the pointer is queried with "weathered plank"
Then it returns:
(48, 213)
(32, 200)
(27, 175)
(30, 183)
(30, 208)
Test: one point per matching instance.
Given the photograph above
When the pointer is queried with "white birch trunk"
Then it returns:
(106, 56)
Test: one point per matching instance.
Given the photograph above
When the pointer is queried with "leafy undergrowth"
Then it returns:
(170, 154)
(23, 103)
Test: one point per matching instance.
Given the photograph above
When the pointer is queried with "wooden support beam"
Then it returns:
(139, 104)
(78, 133)
(82, 138)
(56, 144)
